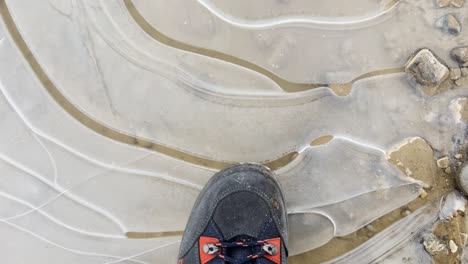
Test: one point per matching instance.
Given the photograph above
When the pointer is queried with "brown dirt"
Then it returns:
(416, 158)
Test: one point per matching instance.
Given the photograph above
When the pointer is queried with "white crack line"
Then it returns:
(79, 252)
(288, 21)
(142, 253)
(53, 219)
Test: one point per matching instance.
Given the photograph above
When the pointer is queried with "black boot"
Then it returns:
(239, 217)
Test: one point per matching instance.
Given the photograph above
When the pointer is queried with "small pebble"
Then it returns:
(453, 3)
(460, 81)
(443, 3)
(453, 247)
(458, 156)
(457, 3)
(435, 245)
(453, 25)
(371, 228)
(423, 194)
(460, 55)
(455, 74)
(464, 72)
(408, 172)
(406, 212)
(448, 170)
(426, 69)
(449, 23)
(443, 163)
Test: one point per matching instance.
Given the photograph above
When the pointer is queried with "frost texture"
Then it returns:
(74, 194)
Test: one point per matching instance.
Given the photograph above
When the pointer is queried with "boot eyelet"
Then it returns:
(270, 249)
(210, 249)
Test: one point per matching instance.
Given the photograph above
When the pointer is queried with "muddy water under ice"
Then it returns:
(79, 193)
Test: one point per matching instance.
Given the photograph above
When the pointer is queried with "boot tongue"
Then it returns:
(242, 252)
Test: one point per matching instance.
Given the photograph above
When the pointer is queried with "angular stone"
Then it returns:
(455, 74)
(423, 194)
(435, 245)
(464, 72)
(453, 25)
(448, 170)
(453, 247)
(457, 3)
(460, 55)
(443, 3)
(452, 3)
(443, 162)
(427, 70)
(450, 24)
(460, 81)
(405, 212)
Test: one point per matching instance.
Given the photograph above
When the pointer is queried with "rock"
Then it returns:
(371, 228)
(405, 212)
(459, 109)
(450, 24)
(443, 163)
(408, 172)
(448, 170)
(461, 81)
(464, 72)
(457, 3)
(453, 247)
(458, 156)
(435, 245)
(455, 74)
(460, 55)
(423, 194)
(427, 70)
(453, 3)
(464, 237)
(462, 179)
(453, 25)
(443, 3)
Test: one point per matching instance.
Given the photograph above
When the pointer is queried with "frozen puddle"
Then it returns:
(338, 10)
(88, 95)
(310, 49)
(115, 63)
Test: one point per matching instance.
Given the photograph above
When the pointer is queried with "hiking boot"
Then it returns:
(239, 217)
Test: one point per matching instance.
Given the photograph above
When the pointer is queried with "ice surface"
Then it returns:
(70, 194)
(400, 240)
(114, 64)
(104, 188)
(278, 10)
(311, 49)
